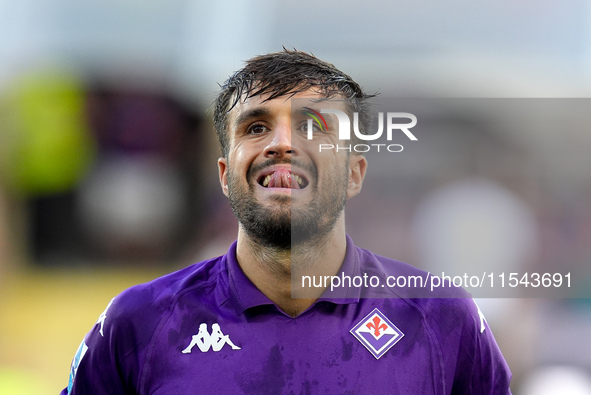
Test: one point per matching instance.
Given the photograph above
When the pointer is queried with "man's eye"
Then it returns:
(306, 125)
(257, 129)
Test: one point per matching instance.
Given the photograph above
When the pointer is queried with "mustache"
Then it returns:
(286, 161)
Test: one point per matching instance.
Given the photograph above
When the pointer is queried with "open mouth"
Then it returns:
(283, 178)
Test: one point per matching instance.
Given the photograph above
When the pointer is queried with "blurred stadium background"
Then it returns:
(108, 163)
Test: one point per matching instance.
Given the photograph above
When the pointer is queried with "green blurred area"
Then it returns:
(46, 145)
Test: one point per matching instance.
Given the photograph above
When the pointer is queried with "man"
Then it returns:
(289, 200)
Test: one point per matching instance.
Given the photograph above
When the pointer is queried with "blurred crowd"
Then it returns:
(93, 173)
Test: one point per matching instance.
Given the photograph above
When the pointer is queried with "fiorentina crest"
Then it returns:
(377, 333)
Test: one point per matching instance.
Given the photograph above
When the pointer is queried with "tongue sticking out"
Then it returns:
(282, 178)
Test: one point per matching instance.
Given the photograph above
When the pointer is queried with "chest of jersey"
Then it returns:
(322, 351)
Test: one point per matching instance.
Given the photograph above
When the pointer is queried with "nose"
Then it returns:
(280, 144)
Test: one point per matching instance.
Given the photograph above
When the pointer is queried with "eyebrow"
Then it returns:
(302, 111)
(250, 114)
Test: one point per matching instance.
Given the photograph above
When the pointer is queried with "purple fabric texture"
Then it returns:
(208, 329)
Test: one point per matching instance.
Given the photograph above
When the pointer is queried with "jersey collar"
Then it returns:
(245, 295)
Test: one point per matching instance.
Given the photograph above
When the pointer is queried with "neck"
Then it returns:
(277, 272)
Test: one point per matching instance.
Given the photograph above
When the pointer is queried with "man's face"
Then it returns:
(282, 189)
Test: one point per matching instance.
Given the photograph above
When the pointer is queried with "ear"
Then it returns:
(223, 173)
(357, 169)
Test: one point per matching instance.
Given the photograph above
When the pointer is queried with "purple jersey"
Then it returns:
(208, 329)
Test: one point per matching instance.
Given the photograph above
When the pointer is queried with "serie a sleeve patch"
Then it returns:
(75, 363)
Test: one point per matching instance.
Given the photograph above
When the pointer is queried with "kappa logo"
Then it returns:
(204, 340)
(377, 333)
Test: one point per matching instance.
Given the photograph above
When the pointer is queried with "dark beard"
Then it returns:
(285, 228)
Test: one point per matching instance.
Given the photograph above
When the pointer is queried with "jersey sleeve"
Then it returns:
(480, 367)
(110, 357)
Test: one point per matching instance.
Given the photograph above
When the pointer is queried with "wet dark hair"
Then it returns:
(286, 73)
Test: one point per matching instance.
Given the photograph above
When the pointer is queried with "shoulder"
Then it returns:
(462, 339)
(130, 321)
(112, 355)
(402, 280)
(148, 301)
(446, 309)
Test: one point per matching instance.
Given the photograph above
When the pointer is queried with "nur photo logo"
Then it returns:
(395, 122)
